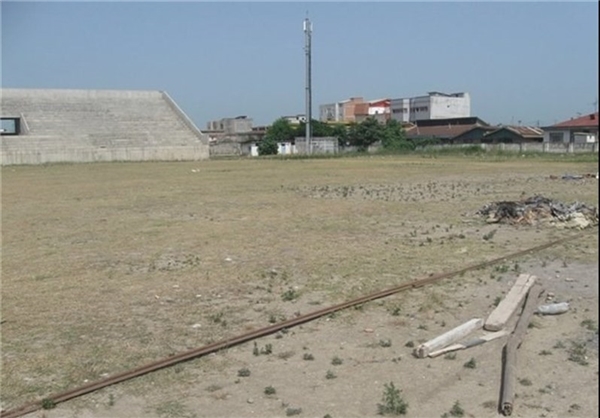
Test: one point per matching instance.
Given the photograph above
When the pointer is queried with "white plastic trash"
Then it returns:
(553, 308)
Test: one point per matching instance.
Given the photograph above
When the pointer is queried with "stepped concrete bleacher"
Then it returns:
(98, 125)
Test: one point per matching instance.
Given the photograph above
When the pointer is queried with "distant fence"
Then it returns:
(524, 147)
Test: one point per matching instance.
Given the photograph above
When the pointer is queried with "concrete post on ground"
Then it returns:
(546, 147)
(571, 148)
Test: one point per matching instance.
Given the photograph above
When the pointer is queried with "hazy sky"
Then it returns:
(519, 61)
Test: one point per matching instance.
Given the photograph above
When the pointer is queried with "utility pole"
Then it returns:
(307, 36)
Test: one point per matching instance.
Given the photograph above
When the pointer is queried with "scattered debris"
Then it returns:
(470, 343)
(509, 372)
(553, 309)
(576, 176)
(539, 208)
(509, 305)
(447, 338)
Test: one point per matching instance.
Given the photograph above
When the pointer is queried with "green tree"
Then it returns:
(394, 137)
(267, 146)
(280, 131)
(318, 129)
(366, 133)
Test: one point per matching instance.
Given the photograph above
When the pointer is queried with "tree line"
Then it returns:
(361, 135)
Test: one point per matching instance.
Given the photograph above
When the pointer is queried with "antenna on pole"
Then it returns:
(307, 50)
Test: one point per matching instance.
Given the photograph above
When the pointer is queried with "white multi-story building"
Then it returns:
(435, 105)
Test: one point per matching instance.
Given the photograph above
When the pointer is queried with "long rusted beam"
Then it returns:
(219, 345)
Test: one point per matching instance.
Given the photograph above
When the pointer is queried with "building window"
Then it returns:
(556, 137)
(10, 126)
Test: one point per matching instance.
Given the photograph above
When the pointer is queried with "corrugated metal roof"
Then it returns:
(526, 131)
(442, 132)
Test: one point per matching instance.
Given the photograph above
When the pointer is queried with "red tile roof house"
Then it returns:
(579, 130)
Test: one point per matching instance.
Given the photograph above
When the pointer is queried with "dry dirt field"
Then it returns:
(106, 267)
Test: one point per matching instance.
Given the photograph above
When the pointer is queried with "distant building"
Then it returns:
(579, 130)
(344, 111)
(444, 129)
(295, 120)
(237, 125)
(513, 135)
(378, 109)
(435, 105)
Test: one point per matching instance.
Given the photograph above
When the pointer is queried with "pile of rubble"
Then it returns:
(538, 208)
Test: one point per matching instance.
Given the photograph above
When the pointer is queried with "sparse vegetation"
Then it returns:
(308, 357)
(410, 344)
(392, 401)
(168, 211)
(244, 372)
(293, 411)
(578, 353)
(290, 295)
(450, 356)
(270, 390)
(336, 361)
(525, 382)
(457, 410)
(545, 353)
(330, 375)
(284, 355)
(471, 364)
(559, 344)
(489, 235)
(213, 388)
(172, 409)
(48, 403)
(590, 325)
(385, 343)
(489, 404)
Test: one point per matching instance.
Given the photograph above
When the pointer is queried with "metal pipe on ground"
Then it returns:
(211, 348)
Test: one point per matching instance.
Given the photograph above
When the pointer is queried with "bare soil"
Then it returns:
(106, 267)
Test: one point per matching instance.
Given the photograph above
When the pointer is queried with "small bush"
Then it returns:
(270, 390)
(392, 401)
(578, 353)
(385, 343)
(457, 410)
(308, 357)
(450, 356)
(489, 235)
(589, 325)
(293, 411)
(48, 404)
(471, 364)
(330, 375)
(289, 295)
(244, 372)
(525, 382)
(336, 361)
(410, 344)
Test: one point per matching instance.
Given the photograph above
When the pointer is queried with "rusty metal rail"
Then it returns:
(211, 348)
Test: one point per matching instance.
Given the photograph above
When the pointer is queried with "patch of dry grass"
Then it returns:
(109, 266)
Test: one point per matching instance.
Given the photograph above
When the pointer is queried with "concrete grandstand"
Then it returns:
(48, 126)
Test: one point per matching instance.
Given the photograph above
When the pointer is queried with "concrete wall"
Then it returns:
(443, 107)
(98, 125)
(327, 145)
